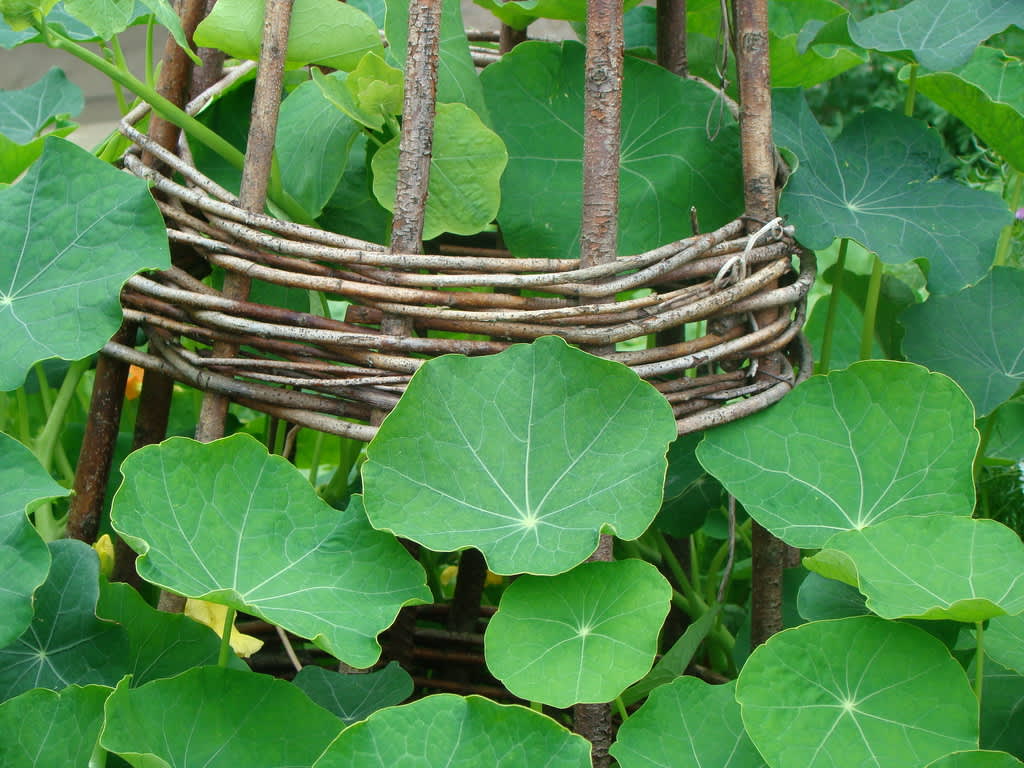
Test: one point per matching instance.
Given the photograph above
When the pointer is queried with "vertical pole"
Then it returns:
(602, 110)
(259, 155)
(751, 25)
(671, 25)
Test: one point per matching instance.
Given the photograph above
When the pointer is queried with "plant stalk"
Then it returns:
(225, 638)
(908, 104)
(825, 361)
(47, 441)
(867, 336)
(979, 660)
(1006, 237)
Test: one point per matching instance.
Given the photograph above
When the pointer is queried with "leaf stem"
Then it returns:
(1006, 236)
(867, 336)
(225, 638)
(621, 708)
(693, 599)
(24, 430)
(979, 660)
(908, 104)
(47, 441)
(121, 63)
(45, 391)
(150, 73)
(825, 361)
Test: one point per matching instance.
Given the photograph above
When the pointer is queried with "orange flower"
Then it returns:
(133, 386)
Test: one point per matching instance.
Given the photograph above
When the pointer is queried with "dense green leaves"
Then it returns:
(322, 32)
(974, 336)
(509, 455)
(987, 93)
(70, 249)
(43, 728)
(582, 636)
(65, 644)
(456, 732)
(47, 103)
(355, 697)
(937, 567)
(220, 718)
(465, 169)
(227, 522)
(855, 692)
(1004, 641)
(848, 450)
(369, 94)
(798, 60)
(687, 724)
(24, 558)
(535, 96)
(877, 185)
(942, 34)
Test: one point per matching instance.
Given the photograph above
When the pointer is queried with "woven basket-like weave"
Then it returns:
(699, 342)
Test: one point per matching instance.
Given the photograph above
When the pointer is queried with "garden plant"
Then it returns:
(894, 475)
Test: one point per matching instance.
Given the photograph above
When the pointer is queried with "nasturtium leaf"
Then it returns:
(1002, 709)
(936, 567)
(974, 336)
(581, 636)
(509, 454)
(800, 63)
(854, 692)
(456, 732)
(988, 95)
(977, 758)
(16, 34)
(43, 728)
(369, 94)
(24, 558)
(165, 15)
(352, 209)
(688, 489)
(457, 80)
(227, 522)
(312, 143)
(465, 173)
(1006, 438)
(1004, 641)
(686, 724)
(848, 450)
(355, 697)
(877, 185)
(47, 103)
(322, 32)
(667, 163)
(218, 718)
(519, 13)
(942, 34)
(159, 644)
(821, 598)
(65, 644)
(21, 14)
(105, 17)
(69, 251)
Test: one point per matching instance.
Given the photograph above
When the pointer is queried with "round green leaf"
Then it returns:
(511, 455)
(880, 184)
(354, 697)
(848, 450)
(942, 34)
(974, 337)
(69, 251)
(106, 17)
(456, 732)
(65, 644)
(937, 567)
(227, 522)
(977, 758)
(1006, 439)
(24, 558)
(42, 728)
(217, 718)
(582, 636)
(988, 95)
(821, 598)
(159, 644)
(797, 59)
(1004, 641)
(667, 163)
(856, 692)
(46, 104)
(322, 32)
(465, 170)
(686, 724)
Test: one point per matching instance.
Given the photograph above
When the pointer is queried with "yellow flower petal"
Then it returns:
(213, 615)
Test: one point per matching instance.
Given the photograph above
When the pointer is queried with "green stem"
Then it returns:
(908, 104)
(979, 661)
(225, 638)
(47, 441)
(314, 462)
(693, 599)
(1006, 237)
(867, 336)
(168, 111)
(150, 73)
(24, 430)
(45, 391)
(621, 707)
(121, 63)
(825, 363)
(537, 706)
